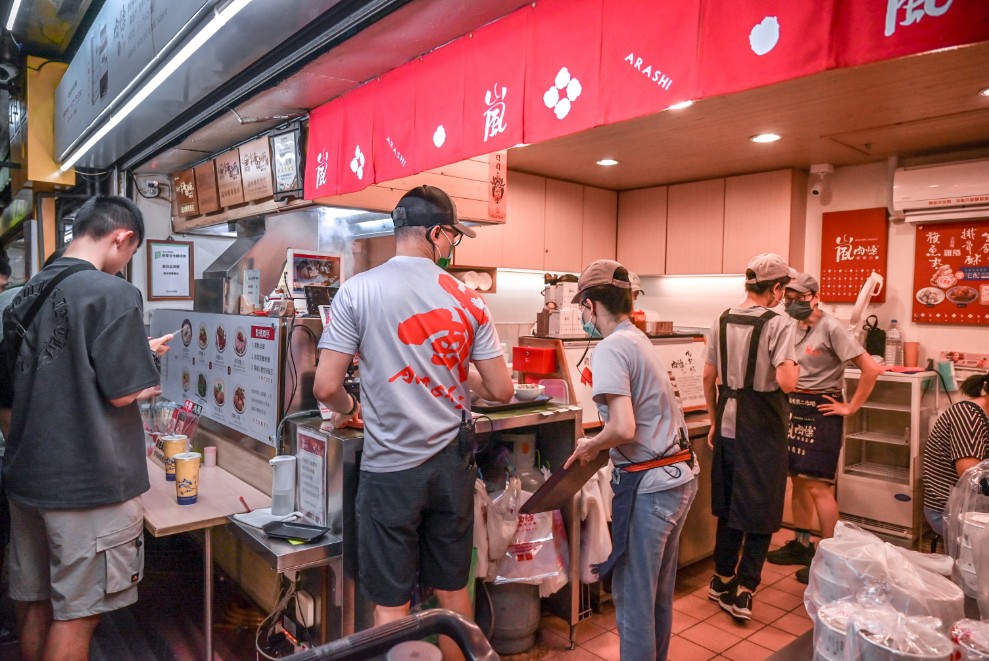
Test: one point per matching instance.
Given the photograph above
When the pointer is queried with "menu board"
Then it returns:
(228, 363)
(951, 273)
(684, 362)
(853, 245)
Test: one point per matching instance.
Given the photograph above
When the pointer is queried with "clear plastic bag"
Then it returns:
(503, 519)
(966, 525)
(553, 583)
(884, 634)
(531, 557)
(857, 564)
(971, 640)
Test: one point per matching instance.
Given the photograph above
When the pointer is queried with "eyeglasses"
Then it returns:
(454, 241)
(798, 297)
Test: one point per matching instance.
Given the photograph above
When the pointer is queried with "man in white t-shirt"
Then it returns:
(417, 329)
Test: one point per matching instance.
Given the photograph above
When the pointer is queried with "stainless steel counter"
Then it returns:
(284, 556)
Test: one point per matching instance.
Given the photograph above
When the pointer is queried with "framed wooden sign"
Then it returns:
(184, 192)
(255, 169)
(228, 180)
(170, 269)
(209, 197)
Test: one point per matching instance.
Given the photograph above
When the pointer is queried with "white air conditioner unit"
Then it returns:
(937, 193)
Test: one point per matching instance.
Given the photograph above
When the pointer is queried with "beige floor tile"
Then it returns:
(585, 630)
(702, 592)
(794, 623)
(579, 654)
(747, 651)
(712, 637)
(606, 618)
(772, 638)
(766, 613)
(780, 537)
(699, 608)
(607, 646)
(682, 621)
(778, 598)
(737, 628)
(772, 573)
(684, 650)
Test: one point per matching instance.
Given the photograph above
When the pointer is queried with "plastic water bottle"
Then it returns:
(894, 345)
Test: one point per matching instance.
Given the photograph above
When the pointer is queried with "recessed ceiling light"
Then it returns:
(607, 162)
(765, 137)
(681, 105)
(984, 92)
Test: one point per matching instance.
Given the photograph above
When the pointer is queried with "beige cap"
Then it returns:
(601, 272)
(767, 266)
(636, 283)
(804, 283)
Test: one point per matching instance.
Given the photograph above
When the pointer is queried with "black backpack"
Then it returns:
(13, 333)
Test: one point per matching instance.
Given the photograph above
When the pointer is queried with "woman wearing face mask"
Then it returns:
(654, 476)
(751, 352)
(817, 409)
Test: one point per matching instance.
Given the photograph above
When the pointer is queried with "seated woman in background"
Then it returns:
(959, 440)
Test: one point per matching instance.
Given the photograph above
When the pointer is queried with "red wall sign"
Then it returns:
(951, 273)
(853, 245)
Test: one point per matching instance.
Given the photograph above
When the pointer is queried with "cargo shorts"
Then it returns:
(85, 561)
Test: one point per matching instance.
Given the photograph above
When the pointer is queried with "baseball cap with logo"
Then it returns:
(601, 272)
(426, 206)
(767, 266)
(804, 283)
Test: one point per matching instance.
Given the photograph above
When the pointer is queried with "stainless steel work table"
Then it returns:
(284, 556)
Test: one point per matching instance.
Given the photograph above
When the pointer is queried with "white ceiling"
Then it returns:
(909, 107)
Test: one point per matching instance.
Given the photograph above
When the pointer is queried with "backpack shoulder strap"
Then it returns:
(32, 312)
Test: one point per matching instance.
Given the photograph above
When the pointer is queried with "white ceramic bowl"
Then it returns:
(526, 392)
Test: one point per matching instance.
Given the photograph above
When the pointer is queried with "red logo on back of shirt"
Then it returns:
(451, 331)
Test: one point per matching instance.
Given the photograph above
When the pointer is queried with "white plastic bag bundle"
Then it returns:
(966, 523)
(531, 556)
(561, 550)
(971, 640)
(503, 519)
(883, 634)
(831, 626)
(482, 503)
(857, 564)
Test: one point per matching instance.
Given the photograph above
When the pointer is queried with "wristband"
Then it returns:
(353, 409)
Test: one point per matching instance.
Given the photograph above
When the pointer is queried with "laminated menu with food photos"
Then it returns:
(951, 273)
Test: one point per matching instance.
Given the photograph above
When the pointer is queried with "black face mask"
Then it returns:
(799, 310)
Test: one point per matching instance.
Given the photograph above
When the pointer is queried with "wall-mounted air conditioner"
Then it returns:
(937, 193)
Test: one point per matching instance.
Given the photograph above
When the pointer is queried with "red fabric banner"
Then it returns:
(746, 44)
(563, 72)
(356, 166)
(323, 150)
(648, 56)
(394, 126)
(871, 31)
(494, 86)
(439, 106)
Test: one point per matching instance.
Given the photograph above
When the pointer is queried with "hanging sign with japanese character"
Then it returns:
(853, 245)
(951, 273)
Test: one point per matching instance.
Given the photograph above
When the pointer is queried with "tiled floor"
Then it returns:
(701, 630)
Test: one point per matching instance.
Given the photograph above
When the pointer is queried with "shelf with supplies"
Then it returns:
(479, 278)
(879, 485)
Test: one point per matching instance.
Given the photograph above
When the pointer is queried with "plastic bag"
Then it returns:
(966, 533)
(531, 556)
(553, 583)
(482, 503)
(856, 564)
(503, 519)
(971, 640)
(595, 538)
(884, 633)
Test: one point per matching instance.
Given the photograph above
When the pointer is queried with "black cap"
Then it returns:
(426, 206)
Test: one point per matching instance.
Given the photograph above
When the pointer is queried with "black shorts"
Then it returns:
(814, 439)
(421, 518)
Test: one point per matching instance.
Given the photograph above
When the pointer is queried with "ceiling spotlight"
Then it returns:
(984, 92)
(765, 137)
(607, 162)
(681, 105)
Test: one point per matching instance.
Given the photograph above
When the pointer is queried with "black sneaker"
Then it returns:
(803, 574)
(738, 603)
(719, 587)
(792, 553)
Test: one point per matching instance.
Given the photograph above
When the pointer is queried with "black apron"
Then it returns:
(814, 438)
(752, 498)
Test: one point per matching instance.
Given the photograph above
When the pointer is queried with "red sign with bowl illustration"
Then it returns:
(951, 273)
(853, 245)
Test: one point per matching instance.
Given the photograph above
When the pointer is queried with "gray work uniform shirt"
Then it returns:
(822, 351)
